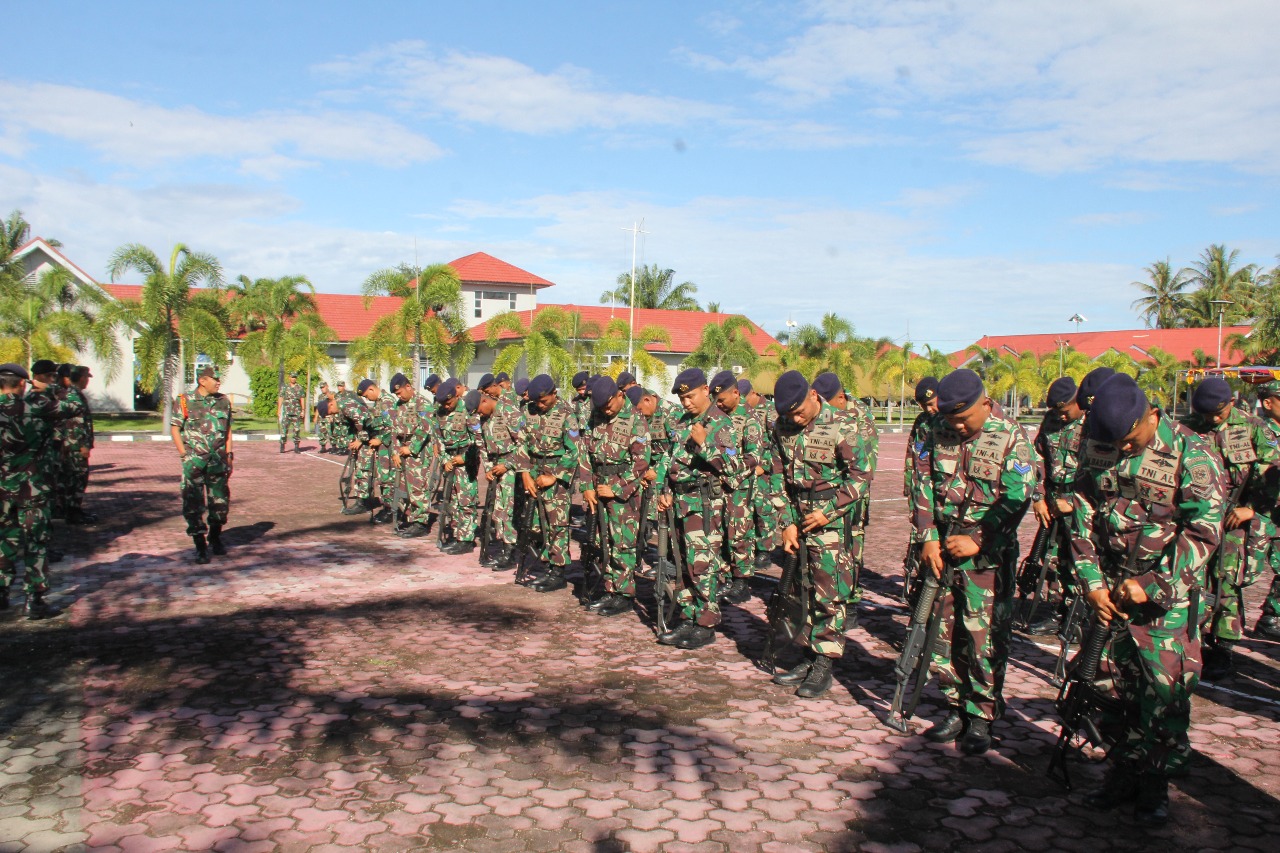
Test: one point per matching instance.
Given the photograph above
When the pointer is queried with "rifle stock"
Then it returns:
(1032, 574)
(775, 613)
(445, 516)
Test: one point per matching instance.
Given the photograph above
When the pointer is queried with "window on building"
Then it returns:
(509, 297)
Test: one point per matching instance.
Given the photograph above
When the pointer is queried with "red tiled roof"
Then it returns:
(684, 327)
(1180, 343)
(124, 291)
(346, 314)
(479, 268)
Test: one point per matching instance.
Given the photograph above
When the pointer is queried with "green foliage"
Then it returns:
(654, 288)
(1184, 298)
(265, 388)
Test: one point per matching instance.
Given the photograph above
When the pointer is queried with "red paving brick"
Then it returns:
(327, 686)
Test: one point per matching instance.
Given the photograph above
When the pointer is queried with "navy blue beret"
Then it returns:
(502, 377)
(1061, 392)
(827, 385)
(541, 386)
(431, 383)
(446, 391)
(522, 385)
(398, 380)
(744, 386)
(634, 394)
(365, 385)
(790, 391)
(1118, 405)
(472, 400)
(1211, 396)
(959, 390)
(603, 390)
(486, 380)
(689, 378)
(322, 408)
(926, 389)
(44, 365)
(580, 379)
(14, 370)
(1090, 384)
(723, 381)
(626, 378)
(65, 369)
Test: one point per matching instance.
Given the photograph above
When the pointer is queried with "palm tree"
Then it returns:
(939, 362)
(1217, 278)
(896, 368)
(267, 307)
(713, 308)
(1160, 378)
(15, 232)
(166, 301)
(725, 345)
(1163, 298)
(430, 317)
(654, 289)
(617, 337)
(55, 319)
(544, 345)
(305, 349)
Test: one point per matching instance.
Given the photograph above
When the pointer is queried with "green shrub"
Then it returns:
(264, 384)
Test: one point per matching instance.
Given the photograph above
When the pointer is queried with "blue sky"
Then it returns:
(951, 168)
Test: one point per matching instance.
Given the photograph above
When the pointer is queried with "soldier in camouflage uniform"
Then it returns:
(1269, 622)
(703, 454)
(825, 462)
(27, 423)
(547, 461)
(458, 444)
(410, 417)
(613, 457)
(375, 465)
(355, 415)
(768, 486)
(648, 406)
(739, 531)
(77, 448)
(289, 412)
(975, 481)
(1148, 516)
(324, 423)
(500, 435)
(1247, 453)
(202, 434)
(926, 396)
(340, 434)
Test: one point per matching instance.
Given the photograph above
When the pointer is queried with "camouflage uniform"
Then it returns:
(1058, 446)
(1162, 511)
(77, 435)
(768, 488)
(341, 433)
(355, 416)
(204, 421)
(500, 436)
(990, 475)
(324, 427)
(739, 526)
(410, 420)
(825, 466)
(1271, 606)
(1245, 450)
(860, 516)
(614, 452)
(695, 474)
(914, 463)
(456, 434)
(549, 445)
(291, 412)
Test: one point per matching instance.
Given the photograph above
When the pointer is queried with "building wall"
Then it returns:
(482, 302)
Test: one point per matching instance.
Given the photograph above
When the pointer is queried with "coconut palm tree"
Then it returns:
(654, 289)
(724, 345)
(1163, 297)
(55, 319)
(1159, 378)
(267, 307)
(1217, 277)
(617, 336)
(305, 350)
(544, 345)
(430, 320)
(166, 301)
(15, 232)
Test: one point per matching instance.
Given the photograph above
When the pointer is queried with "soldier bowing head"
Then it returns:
(446, 395)
(725, 390)
(1213, 400)
(1061, 400)
(927, 395)
(963, 401)
(829, 388)
(401, 387)
(542, 391)
(1120, 415)
(369, 390)
(797, 403)
(606, 397)
(691, 387)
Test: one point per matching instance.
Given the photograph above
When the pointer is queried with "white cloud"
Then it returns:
(1110, 219)
(138, 133)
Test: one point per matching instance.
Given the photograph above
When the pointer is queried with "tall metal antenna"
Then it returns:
(636, 230)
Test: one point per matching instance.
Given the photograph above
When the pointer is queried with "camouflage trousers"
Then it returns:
(977, 615)
(417, 474)
(556, 499)
(1243, 557)
(739, 534)
(24, 529)
(291, 422)
(700, 534)
(504, 501)
(324, 431)
(463, 510)
(764, 515)
(1157, 666)
(73, 479)
(205, 484)
(339, 434)
(374, 467)
(1271, 607)
(623, 520)
(828, 583)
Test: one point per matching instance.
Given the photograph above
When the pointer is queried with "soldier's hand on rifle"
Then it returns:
(354, 446)
(377, 442)
(529, 485)
(495, 472)
(458, 460)
(1131, 592)
(814, 520)
(650, 476)
(1041, 511)
(1239, 517)
(1065, 507)
(759, 471)
(405, 450)
(544, 481)
(605, 492)
(961, 547)
(698, 433)
(1100, 601)
(931, 556)
(589, 498)
(790, 539)
(664, 503)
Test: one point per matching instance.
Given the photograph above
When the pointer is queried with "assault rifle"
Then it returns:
(400, 495)
(346, 480)
(444, 517)
(668, 575)
(1032, 575)
(1068, 634)
(593, 570)
(785, 612)
(1219, 595)
(486, 521)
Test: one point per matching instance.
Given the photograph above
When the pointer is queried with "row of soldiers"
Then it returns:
(731, 481)
(46, 439)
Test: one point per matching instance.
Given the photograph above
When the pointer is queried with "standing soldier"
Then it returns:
(356, 416)
(409, 419)
(547, 462)
(1247, 453)
(1269, 622)
(927, 398)
(739, 490)
(324, 423)
(1148, 516)
(340, 435)
(826, 465)
(289, 412)
(461, 463)
(613, 458)
(768, 486)
(202, 434)
(377, 466)
(77, 448)
(500, 437)
(703, 453)
(974, 484)
(646, 404)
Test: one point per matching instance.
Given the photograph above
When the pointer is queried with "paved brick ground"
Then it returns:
(328, 687)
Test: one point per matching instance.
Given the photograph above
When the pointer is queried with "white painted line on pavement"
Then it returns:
(161, 438)
(322, 459)
(122, 438)
(1242, 695)
(886, 500)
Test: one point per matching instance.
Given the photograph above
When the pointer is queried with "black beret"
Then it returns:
(603, 390)
(723, 381)
(790, 391)
(431, 382)
(14, 370)
(502, 377)
(1061, 392)
(472, 400)
(580, 378)
(522, 385)
(446, 391)
(65, 369)
(322, 408)
(926, 389)
(542, 385)
(1118, 406)
(486, 380)
(44, 365)
(1211, 396)
(625, 378)
(365, 385)
(1090, 384)
(744, 386)
(635, 393)
(827, 385)
(398, 380)
(689, 378)
(959, 390)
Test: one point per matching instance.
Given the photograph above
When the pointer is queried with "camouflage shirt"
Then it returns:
(549, 442)
(26, 429)
(204, 422)
(689, 462)
(500, 433)
(614, 452)
(1058, 446)
(914, 463)
(1247, 452)
(353, 409)
(752, 440)
(291, 401)
(867, 428)
(453, 430)
(827, 460)
(77, 430)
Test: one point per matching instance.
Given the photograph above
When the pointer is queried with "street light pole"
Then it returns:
(631, 331)
(1222, 310)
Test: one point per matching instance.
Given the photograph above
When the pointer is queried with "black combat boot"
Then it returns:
(697, 637)
(797, 673)
(550, 582)
(382, 516)
(38, 608)
(616, 606)
(1047, 625)
(1120, 787)
(818, 681)
(764, 559)
(673, 635)
(1218, 662)
(739, 591)
(202, 549)
(282, 445)
(486, 557)
(949, 729)
(461, 546)
(603, 600)
(506, 558)
(1152, 807)
(215, 540)
(1268, 626)
(297, 448)
(978, 739)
